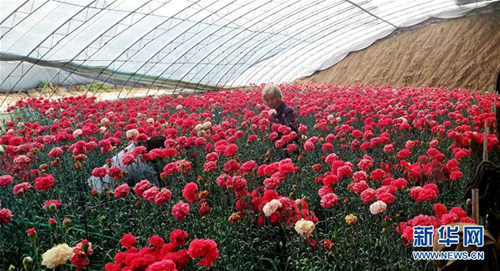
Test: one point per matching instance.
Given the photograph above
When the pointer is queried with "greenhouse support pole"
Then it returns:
(475, 205)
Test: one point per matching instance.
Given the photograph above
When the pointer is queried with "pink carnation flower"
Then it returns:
(329, 200)
(22, 186)
(180, 210)
(360, 187)
(368, 195)
(6, 180)
(122, 191)
(151, 193)
(163, 196)
(141, 187)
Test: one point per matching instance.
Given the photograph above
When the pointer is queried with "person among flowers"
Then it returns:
(280, 113)
(137, 170)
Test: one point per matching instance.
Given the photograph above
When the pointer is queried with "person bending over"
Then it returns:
(139, 170)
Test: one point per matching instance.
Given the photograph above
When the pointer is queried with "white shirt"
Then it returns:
(137, 171)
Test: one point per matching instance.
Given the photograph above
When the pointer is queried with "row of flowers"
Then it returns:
(359, 149)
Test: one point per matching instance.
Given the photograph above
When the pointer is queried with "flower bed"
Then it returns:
(372, 163)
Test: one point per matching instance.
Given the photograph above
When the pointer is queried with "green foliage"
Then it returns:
(371, 244)
(98, 87)
(42, 84)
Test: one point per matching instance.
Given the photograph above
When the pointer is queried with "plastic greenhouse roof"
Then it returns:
(195, 44)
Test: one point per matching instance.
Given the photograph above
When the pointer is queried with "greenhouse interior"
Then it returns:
(249, 135)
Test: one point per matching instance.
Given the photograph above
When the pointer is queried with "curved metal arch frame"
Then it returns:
(173, 62)
(140, 50)
(321, 52)
(17, 11)
(85, 8)
(249, 48)
(194, 46)
(251, 76)
(105, 8)
(34, 49)
(285, 72)
(159, 51)
(14, 11)
(191, 48)
(254, 51)
(363, 10)
(312, 34)
(131, 13)
(139, 13)
(38, 46)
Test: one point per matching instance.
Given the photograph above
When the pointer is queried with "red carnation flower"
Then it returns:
(115, 172)
(6, 180)
(204, 208)
(386, 197)
(364, 164)
(190, 191)
(456, 175)
(440, 209)
(178, 237)
(377, 174)
(291, 148)
(21, 187)
(359, 187)
(344, 171)
(368, 195)
(252, 138)
(128, 240)
(128, 159)
(308, 146)
(44, 183)
(54, 202)
(231, 166)
(448, 219)
(458, 211)
(99, 172)
(156, 241)
(5, 216)
(151, 193)
(141, 187)
(399, 183)
(230, 150)
(415, 191)
(210, 166)
(213, 157)
(165, 265)
(403, 154)
(55, 152)
(204, 248)
(429, 192)
(163, 196)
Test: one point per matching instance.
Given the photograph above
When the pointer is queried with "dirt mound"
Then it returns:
(461, 52)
